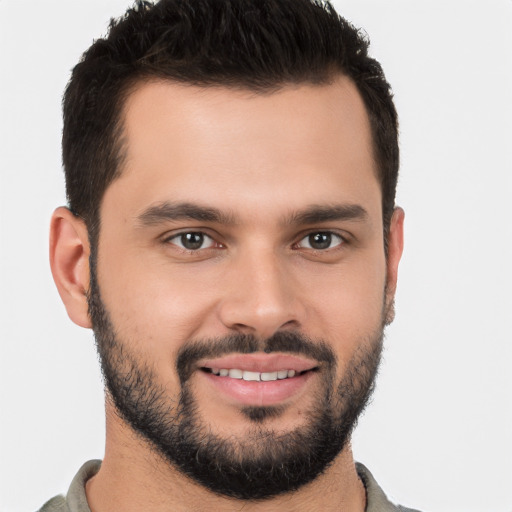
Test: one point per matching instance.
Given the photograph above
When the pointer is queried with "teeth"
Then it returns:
(252, 376)
(235, 373)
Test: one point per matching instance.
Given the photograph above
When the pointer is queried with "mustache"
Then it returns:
(286, 342)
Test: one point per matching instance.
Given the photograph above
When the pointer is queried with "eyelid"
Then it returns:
(343, 239)
(171, 239)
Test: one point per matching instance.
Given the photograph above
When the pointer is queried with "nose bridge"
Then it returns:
(261, 297)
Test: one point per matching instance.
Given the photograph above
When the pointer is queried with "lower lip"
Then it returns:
(258, 393)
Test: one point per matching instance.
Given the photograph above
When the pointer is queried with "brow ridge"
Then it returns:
(324, 213)
(170, 211)
(314, 214)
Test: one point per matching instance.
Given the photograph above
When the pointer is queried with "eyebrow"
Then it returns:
(324, 213)
(168, 211)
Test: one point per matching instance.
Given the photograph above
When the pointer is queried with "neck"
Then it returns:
(133, 477)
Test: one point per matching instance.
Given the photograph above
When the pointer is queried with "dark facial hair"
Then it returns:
(265, 463)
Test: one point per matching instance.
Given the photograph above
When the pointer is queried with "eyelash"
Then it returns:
(172, 239)
(330, 234)
(341, 240)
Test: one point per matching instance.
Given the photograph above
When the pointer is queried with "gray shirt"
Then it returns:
(76, 501)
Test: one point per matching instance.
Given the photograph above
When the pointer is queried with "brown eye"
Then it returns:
(320, 241)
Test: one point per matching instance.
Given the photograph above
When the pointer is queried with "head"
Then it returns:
(231, 170)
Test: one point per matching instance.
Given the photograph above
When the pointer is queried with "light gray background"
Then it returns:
(439, 433)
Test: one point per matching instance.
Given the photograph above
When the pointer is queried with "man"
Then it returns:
(232, 240)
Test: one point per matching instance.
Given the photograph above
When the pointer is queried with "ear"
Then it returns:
(395, 249)
(69, 261)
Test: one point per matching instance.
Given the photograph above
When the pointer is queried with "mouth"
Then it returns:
(258, 379)
(249, 376)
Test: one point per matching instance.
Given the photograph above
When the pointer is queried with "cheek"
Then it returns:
(154, 308)
(165, 302)
(346, 303)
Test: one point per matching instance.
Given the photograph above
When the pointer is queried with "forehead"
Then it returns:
(216, 144)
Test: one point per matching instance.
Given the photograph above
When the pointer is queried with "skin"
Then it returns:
(260, 160)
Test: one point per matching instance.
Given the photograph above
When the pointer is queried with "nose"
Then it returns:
(261, 296)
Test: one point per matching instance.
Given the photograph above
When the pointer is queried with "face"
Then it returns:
(239, 289)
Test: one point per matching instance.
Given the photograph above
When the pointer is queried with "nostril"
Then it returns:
(242, 328)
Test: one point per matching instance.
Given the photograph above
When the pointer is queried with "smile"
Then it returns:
(235, 373)
(258, 379)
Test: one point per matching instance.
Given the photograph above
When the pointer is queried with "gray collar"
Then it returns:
(76, 500)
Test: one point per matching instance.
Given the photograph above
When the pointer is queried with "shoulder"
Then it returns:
(376, 499)
(405, 509)
(56, 504)
(75, 500)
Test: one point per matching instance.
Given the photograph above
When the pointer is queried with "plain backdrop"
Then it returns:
(438, 435)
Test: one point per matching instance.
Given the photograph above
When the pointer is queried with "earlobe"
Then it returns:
(395, 249)
(69, 261)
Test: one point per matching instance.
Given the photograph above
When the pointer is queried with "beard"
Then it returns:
(264, 462)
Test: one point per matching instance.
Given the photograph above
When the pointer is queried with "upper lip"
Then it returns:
(260, 362)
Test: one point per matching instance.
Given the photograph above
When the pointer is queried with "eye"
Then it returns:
(192, 241)
(320, 241)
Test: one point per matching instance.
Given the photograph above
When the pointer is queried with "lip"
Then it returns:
(261, 362)
(259, 393)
